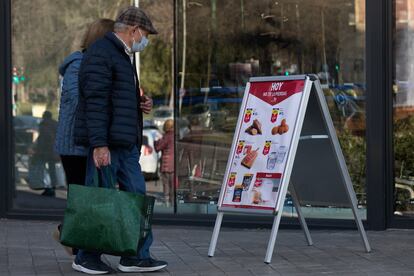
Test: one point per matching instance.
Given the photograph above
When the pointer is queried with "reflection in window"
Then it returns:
(403, 101)
(221, 44)
(45, 32)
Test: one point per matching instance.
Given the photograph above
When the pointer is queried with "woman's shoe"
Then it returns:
(56, 237)
(48, 192)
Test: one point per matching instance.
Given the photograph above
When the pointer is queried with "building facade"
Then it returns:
(196, 70)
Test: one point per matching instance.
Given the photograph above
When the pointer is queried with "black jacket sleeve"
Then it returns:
(95, 81)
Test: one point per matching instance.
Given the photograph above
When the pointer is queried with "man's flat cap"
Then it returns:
(134, 16)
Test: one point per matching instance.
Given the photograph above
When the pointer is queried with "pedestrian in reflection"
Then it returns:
(44, 151)
(166, 146)
(109, 121)
(74, 156)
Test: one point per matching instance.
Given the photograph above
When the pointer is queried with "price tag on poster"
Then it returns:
(261, 145)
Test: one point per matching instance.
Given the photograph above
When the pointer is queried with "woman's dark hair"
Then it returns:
(96, 30)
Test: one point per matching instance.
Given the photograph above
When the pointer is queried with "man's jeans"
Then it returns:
(125, 167)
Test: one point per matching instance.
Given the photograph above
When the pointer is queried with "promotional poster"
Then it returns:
(263, 139)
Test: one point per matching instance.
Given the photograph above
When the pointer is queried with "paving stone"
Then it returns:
(183, 273)
(241, 273)
(22, 270)
(26, 248)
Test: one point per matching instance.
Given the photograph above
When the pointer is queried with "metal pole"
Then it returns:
(359, 224)
(273, 236)
(301, 218)
(216, 232)
(184, 58)
(137, 55)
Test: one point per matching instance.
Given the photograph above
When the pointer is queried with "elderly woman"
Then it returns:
(166, 146)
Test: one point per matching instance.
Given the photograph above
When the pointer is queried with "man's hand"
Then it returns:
(146, 104)
(101, 157)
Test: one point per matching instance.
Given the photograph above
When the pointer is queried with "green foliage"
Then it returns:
(404, 161)
(46, 31)
(403, 147)
(354, 150)
(156, 69)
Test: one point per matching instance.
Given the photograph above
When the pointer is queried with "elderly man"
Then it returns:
(110, 122)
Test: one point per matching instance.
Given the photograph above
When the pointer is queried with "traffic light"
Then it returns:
(15, 76)
(337, 67)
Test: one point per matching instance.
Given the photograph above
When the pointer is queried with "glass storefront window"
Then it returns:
(220, 45)
(156, 75)
(403, 102)
(223, 43)
(43, 34)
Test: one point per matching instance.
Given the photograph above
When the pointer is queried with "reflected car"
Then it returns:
(182, 124)
(161, 114)
(26, 131)
(207, 116)
(149, 124)
(150, 159)
(183, 127)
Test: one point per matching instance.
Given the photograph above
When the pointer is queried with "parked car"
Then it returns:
(207, 116)
(150, 159)
(161, 114)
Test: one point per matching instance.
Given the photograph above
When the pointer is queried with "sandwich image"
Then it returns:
(249, 159)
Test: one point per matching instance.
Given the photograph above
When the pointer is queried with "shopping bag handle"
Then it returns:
(104, 172)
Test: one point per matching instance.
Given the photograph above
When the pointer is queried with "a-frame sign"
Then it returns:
(285, 140)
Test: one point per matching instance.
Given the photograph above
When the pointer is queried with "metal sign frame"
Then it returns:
(312, 85)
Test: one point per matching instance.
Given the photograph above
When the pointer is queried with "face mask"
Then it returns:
(139, 46)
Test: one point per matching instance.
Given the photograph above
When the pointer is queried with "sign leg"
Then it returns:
(342, 164)
(301, 218)
(216, 232)
(273, 235)
(359, 224)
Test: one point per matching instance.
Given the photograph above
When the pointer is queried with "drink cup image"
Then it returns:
(281, 153)
(271, 161)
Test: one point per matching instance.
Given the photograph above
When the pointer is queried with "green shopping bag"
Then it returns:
(106, 220)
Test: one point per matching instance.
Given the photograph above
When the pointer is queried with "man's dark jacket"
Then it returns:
(108, 112)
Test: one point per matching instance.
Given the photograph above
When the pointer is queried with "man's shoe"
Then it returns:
(147, 265)
(92, 267)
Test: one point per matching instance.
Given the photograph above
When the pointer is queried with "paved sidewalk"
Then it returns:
(26, 248)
